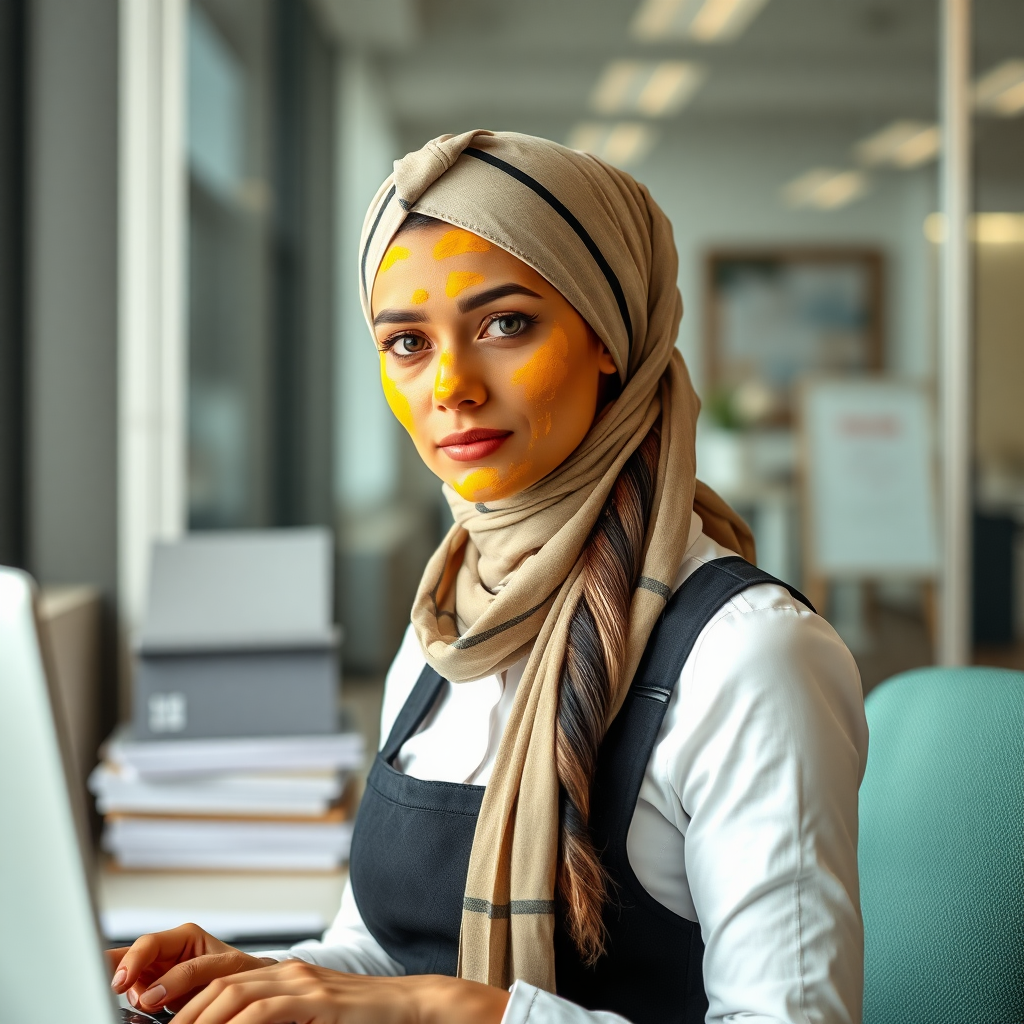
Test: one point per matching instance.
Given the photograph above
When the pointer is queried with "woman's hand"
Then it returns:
(165, 968)
(296, 991)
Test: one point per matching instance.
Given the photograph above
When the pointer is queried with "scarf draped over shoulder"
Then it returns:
(505, 581)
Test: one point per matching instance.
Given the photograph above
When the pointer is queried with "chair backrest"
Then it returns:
(942, 848)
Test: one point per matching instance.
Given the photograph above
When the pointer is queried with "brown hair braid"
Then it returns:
(593, 663)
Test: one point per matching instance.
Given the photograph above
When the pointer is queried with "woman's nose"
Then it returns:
(454, 387)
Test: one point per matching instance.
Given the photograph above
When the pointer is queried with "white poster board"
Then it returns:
(870, 495)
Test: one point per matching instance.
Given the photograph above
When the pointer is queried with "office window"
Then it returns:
(259, 92)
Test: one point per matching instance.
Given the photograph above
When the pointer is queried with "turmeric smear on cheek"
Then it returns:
(392, 256)
(460, 280)
(446, 382)
(457, 242)
(398, 403)
(543, 427)
(545, 371)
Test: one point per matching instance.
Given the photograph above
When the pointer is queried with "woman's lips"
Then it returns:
(473, 445)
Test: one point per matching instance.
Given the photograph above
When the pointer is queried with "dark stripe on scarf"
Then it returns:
(655, 587)
(566, 214)
(501, 911)
(471, 641)
(369, 239)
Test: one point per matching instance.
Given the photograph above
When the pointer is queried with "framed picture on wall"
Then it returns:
(773, 315)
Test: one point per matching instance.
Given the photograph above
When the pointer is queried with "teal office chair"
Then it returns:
(942, 849)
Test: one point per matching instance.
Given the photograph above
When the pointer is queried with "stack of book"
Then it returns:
(268, 803)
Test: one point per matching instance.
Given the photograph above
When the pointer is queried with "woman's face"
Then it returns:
(491, 371)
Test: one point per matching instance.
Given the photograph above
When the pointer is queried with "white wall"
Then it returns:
(720, 184)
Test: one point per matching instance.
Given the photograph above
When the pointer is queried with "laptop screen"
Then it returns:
(50, 953)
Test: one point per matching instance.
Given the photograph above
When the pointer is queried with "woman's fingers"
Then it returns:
(272, 1010)
(169, 947)
(113, 958)
(225, 997)
(193, 974)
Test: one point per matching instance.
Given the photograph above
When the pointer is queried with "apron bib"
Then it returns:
(412, 839)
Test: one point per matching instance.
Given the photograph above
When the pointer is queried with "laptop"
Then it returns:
(51, 956)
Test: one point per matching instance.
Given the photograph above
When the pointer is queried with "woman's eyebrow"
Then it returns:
(399, 316)
(482, 298)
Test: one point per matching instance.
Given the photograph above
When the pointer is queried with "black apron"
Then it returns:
(412, 840)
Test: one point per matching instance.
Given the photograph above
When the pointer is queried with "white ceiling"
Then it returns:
(480, 60)
(530, 65)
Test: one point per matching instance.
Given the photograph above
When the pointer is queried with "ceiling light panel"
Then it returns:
(825, 188)
(985, 228)
(1001, 90)
(622, 143)
(706, 21)
(903, 144)
(651, 88)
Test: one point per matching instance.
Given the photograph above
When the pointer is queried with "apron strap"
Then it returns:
(415, 709)
(634, 731)
(688, 611)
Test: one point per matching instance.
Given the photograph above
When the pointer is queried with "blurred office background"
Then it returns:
(182, 184)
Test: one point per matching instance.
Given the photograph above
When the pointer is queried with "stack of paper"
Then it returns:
(269, 929)
(261, 804)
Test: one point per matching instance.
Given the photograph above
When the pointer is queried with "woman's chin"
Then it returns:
(492, 483)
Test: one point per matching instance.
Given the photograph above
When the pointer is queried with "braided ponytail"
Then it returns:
(593, 663)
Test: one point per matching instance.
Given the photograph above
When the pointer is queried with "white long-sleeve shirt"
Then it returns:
(746, 819)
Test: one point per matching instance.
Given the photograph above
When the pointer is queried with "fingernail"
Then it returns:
(155, 995)
(132, 997)
(118, 979)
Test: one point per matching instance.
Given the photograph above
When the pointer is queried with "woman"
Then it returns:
(620, 768)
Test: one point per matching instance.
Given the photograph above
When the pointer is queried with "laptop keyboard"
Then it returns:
(138, 1017)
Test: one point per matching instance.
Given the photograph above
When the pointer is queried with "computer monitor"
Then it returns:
(51, 961)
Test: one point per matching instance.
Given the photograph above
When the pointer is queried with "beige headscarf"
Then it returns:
(505, 581)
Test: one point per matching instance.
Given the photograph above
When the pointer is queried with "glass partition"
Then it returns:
(998, 251)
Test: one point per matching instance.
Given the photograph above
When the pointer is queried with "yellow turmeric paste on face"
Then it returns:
(460, 280)
(392, 256)
(398, 403)
(545, 371)
(457, 242)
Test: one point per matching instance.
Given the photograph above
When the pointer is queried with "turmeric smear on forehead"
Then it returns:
(460, 280)
(545, 371)
(398, 403)
(392, 256)
(457, 242)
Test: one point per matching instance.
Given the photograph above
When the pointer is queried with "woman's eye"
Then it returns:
(507, 326)
(408, 345)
